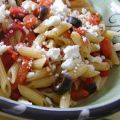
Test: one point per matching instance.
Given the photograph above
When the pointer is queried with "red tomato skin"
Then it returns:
(8, 58)
(11, 32)
(22, 73)
(104, 73)
(77, 95)
(30, 21)
(106, 48)
(17, 12)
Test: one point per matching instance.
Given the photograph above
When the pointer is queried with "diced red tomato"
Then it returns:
(89, 80)
(30, 37)
(67, 34)
(80, 31)
(36, 12)
(11, 32)
(18, 12)
(15, 95)
(8, 58)
(45, 2)
(22, 73)
(30, 21)
(77, 95)
(106, 48)
(104, 73)
(94, 19)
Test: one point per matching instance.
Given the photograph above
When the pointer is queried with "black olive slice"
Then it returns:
(91, 88)
(74, 21)
(63, 84)
(43, 12)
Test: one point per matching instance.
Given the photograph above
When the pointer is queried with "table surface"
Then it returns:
(115, 116)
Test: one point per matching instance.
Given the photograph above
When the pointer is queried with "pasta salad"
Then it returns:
(53, 52)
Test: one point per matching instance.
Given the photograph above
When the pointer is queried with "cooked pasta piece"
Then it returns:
(76, 38)
(57, 31)
(100, 81)
(12, 72)
(55, 97)
(65, 100)
(31, 95)
(114, 58)
(39, 40)
(39, 63)
(78, 72)
(110, 34)
(93, 38)
(30, 52)
(4, 82)
(104, 66)
(39, 74)
(42, 83)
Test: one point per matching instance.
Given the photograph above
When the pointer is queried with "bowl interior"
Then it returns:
(110, 11)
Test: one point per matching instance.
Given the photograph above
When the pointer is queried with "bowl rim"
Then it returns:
(94, 111)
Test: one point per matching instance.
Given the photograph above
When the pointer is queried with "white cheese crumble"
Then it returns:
(59, 8)
(12, 2)
(3, 13)
(117, 46)
(72, 57)
(53, 53)
(29, 5)
(3, 48)
(72, 52)
(30, 75)
(96, 59)
(70, 63)
(52, 21)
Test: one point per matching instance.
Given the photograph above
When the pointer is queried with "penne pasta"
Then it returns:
(65, 100)
(4, 82)
(31, 95)
(39, 63)
(114, 58)
(104, 66)
(38, 74)
(39, 40)
(78, 72)
(76, 38)
(110, 34)
(30, 52)
(12, 72)
(42, 83)
(93, 38)
(57, 31)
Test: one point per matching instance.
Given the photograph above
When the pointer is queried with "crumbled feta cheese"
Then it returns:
(25, 102)
(12, 2)
(68, 64)
(3, 12)
(96, 59)
(72, 52)
(52, 21)
(30, 75)
(3, 48)
(91, 67)
(84, 11)
(29, 5)
(59, 8)
(117, 46)
(53, 53)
